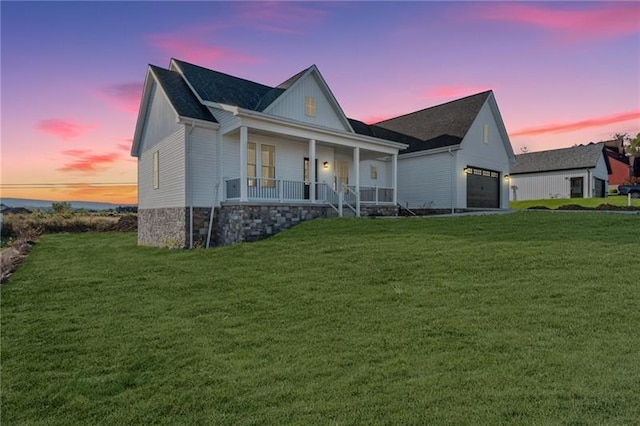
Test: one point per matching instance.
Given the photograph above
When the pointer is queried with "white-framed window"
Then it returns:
(251, 164)
(268, 165)
(310, 106)
(374, 172)
(485, 136)
(156, 170)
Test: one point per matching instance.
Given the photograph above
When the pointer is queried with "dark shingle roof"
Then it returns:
(438, 126)
(226, 89)
(577, 157)
(180, 96)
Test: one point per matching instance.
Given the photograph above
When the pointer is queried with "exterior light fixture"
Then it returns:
(468, 170)
(506, 177)
(325, 164)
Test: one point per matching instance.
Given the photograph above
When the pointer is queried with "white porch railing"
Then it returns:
(281, 190)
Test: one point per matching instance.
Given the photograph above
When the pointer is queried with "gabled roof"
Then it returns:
(217, 87)
(577, 157)
(181, 97)
(441, 125)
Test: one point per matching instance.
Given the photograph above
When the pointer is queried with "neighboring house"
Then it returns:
(578, 172)
(621, 169)
(223, 160)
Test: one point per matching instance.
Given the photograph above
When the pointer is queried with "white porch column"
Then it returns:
(312, 170)
(356, 166)
(243, 163)
(394, 177)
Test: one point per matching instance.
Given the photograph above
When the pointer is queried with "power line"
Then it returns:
(65, 185)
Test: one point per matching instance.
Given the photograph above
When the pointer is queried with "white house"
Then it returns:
(578, 172)
(459, 157)
(222, 159)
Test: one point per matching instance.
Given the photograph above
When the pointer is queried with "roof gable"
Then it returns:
(449, 121)
(309, 83)
(576, 157)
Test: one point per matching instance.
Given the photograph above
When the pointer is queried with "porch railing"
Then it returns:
(375, 194)
(283, 190)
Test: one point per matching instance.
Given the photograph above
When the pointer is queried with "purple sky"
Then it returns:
(563, 73)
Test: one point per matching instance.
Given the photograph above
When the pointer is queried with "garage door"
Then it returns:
(483, 188)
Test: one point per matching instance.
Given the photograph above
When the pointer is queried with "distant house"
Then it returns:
(621, 167)
(222, 159)
(578, 172)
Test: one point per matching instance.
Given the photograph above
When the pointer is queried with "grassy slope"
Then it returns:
(525, 317)
(615, 200)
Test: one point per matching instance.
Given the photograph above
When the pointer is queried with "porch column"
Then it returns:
(312, 170)
(243, 163)
(394, 177)
(356, 166)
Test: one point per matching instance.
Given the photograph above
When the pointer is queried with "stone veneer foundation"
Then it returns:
(232, 223)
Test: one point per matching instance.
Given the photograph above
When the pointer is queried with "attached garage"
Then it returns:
(483, 188)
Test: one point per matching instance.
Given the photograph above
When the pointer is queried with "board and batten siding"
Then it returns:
(203, 176)
(424, 181)
(291, 104)
(171, 190)
(555, 184)
(161, 120)
(384, 173)
(491, 155)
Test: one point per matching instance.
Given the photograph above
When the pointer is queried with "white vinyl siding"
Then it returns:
(161, 120)
(202, 167)
(171, 166)
(292, 104)
(425, 181)
(156, 169)
(490, 155)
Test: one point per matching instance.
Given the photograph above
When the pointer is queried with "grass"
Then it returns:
(523, 318)
(554, 203)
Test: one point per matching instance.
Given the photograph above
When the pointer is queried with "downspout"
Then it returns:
(453, 180)
(189, 186)
(211, 214)
(589, 184)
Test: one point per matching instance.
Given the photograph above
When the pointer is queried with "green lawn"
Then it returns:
(522, 318)
(554, 203)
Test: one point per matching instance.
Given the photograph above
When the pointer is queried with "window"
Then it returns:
(310, 106)
(251, 164)
(374, 172)
(268, 157)
(156, 170)
(485, 138)
(342, 178)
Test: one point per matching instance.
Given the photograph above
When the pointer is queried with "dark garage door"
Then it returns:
(483, 188)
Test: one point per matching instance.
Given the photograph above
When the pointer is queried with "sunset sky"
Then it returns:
(72, 73)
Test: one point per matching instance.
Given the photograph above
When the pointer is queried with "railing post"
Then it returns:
(376, 195)
(340, 199)
(224, 188)
(280, 184)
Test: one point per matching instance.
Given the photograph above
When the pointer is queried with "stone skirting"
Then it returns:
(163, 227)
(238, 223)
(379, 210)
(232, 223)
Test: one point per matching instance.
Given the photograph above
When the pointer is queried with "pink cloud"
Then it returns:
(600, 21)
(191, 48)
(577, 125)
(63, 128)
(453, 91)
(123, 96)
(280, 17)
(86, 162)
(125, 146)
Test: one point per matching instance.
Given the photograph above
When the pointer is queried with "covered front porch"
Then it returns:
(345, 173)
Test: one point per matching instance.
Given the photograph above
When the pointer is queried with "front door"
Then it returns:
(342, 175)
(577, 183)
(306, 173)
